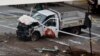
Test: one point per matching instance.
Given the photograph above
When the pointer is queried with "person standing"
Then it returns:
(39, 7)
(93, 5)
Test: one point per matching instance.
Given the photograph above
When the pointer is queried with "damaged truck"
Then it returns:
(47, 23)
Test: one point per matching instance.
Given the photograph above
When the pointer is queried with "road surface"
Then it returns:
(8, 24)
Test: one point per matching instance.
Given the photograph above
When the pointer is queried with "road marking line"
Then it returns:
(13, 24)
(59, 42)
(98, 35)
(9, 14)
(75, 35)
(97, 25)
(77, 42)
(8, 27)
(2, 21)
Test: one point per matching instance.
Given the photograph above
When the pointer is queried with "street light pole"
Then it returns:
(90, 42)
(91, 53)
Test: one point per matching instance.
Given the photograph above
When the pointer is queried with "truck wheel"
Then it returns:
(35, 36)
(76, 30)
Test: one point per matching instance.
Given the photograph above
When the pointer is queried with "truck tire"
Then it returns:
(35, 36)
(76, 30)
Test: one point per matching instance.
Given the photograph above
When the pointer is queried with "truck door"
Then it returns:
(51, 27)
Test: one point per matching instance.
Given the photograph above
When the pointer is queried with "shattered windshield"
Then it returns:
(39, 17)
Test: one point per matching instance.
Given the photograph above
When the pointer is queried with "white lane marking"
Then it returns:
(97, 25)
(77, 42)
(8, 27)
(59, 42)
(75, 35)
(2, 21)
(2, 53)
(98, 35)
(9, 14)
(63, 43)
(13, 24)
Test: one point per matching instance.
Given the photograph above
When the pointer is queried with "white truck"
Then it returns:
(48, 23)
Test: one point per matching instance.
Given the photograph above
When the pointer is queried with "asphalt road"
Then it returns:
(8, 23)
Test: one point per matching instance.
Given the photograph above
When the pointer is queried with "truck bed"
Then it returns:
(72, 18)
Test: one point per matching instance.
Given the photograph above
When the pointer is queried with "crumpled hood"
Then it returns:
(27, 20)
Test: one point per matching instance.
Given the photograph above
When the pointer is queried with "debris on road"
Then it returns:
(55, 49)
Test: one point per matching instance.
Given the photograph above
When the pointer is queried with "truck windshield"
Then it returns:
(39, 17)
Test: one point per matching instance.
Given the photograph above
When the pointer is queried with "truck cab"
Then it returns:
(50, 23)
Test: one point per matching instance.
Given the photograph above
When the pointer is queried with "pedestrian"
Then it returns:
(88, 19)
(93, 5)
(39, 6)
